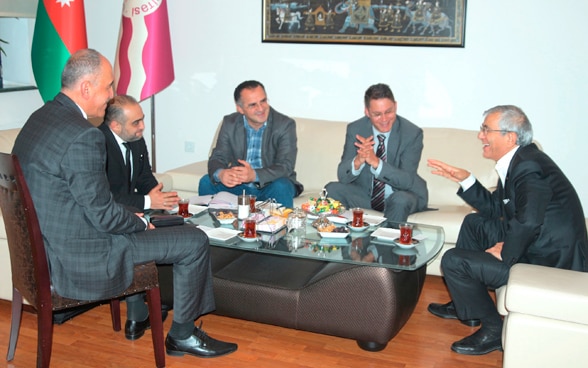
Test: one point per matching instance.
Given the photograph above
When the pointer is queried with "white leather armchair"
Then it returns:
(546, 317)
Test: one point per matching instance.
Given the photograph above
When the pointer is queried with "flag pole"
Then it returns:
(153, 167)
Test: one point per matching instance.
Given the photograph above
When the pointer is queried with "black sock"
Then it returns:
(494, 322)
(136, 308)
(181, 331)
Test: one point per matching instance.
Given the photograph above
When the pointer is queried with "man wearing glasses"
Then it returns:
(534, 216)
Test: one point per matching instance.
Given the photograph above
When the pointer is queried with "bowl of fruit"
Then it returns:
(322, 205)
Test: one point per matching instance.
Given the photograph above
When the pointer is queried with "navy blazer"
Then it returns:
(542, 215)
(143, 179)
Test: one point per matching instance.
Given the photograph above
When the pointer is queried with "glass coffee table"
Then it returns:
(362, 286)
(374, 246)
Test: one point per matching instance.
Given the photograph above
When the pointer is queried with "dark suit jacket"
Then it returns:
(278, 153)
(542, 214)
(404, 150)
(142, 181)
(86, 233)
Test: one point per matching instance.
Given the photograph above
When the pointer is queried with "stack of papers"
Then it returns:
(221, 200)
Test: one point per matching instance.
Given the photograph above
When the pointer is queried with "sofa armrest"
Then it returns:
(548, 292)
(167, 180)
(185, 178)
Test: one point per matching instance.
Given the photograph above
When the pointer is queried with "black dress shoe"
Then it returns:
(136, 329)
(483, 341)
(448, 311)
(199, 344)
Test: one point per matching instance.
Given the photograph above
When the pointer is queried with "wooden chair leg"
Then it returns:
(44, 336)
(154, 302)
(115, 314)
(14, 323)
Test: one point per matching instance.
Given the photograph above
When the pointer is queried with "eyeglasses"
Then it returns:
(485, 129)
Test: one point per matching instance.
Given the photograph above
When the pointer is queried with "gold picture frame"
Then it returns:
(376, 22)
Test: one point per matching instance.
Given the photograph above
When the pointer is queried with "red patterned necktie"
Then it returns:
(378, 186)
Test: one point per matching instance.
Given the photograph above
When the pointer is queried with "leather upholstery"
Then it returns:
(546, 324)
(317, 296)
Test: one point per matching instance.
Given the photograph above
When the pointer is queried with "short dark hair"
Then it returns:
(250, 84)
(115, 109)
(376, 92)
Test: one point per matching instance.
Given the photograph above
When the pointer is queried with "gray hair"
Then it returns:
(513, 119)
(82, 63)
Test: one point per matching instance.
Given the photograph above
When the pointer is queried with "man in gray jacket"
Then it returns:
(378, 168)
(255, 151)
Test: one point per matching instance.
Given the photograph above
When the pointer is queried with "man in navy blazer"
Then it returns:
(534, 216)
(124, 123)
(92, 241)
(405, 192)
(255, 151)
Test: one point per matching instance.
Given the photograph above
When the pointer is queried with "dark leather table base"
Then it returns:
(364, 303)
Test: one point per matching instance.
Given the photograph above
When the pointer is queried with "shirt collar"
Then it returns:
(376, 132)
(503, 164)
(248, 127)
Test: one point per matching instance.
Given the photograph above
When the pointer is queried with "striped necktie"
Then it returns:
(379, 186)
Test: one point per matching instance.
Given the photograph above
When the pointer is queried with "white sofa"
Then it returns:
(545, 323)
(320, 145)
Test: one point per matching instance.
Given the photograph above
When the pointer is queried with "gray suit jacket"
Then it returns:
(84, 229)
(403, 154)
(278, 153)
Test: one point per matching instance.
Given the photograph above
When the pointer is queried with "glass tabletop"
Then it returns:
(375, 246)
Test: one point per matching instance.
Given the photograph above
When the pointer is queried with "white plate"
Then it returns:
(386, 234)
(219, 233)
(338, 219)
(249, 240)
(374, 220)
(405, 246)
(358, 229)
(193, 209)
(225, 221)
(334, 235)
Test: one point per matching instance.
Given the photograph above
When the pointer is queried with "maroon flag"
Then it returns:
(144, 63)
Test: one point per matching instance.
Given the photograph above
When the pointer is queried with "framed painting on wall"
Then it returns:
(376, 22)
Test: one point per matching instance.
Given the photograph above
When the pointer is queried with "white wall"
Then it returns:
(529, 53)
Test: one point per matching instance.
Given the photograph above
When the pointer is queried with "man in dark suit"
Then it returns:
(123, 127)
(255, 151)
(92, 241)
(123, 124)
(535, 216)
(388, 181)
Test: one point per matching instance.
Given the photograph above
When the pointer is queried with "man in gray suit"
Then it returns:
(93, 242)
(378, 168)
(255, 151)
